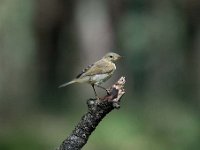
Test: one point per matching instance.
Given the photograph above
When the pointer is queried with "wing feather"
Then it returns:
(84, 70)
(100, 67)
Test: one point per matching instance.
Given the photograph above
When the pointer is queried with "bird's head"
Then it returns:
(113, 57)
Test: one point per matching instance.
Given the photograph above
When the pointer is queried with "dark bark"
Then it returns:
(97, 110)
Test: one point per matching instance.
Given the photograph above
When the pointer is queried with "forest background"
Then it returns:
(44, 43)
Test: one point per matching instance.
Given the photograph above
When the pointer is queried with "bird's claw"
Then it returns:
(97, 98)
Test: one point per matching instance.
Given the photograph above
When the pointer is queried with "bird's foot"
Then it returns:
(93, 103)
(96, 98)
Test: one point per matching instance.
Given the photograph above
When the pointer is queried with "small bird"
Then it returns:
(98, 72)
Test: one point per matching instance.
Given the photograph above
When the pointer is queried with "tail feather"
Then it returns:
(66, 84)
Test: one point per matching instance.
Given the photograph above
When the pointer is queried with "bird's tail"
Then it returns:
(66, 84)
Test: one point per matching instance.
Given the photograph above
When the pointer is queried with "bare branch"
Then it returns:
(97, 110)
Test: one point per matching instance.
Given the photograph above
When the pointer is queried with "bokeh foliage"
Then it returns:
(44, 43)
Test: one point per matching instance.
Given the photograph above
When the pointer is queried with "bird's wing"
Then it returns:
(100, 67)
(84, 70)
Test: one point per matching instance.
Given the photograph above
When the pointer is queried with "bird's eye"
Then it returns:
(111, 56)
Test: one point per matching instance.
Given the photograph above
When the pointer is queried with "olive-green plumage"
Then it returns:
(98, 72)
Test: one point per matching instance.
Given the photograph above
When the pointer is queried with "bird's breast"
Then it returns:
(99, 78)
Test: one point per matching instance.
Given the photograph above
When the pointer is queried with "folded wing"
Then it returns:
(100, 67)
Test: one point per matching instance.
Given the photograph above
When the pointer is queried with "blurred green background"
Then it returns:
(44, 43)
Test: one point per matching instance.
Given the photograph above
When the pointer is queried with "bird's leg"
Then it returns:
(103, 88)
(94, 91)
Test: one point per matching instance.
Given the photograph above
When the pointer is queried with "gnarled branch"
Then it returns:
(97, 110)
